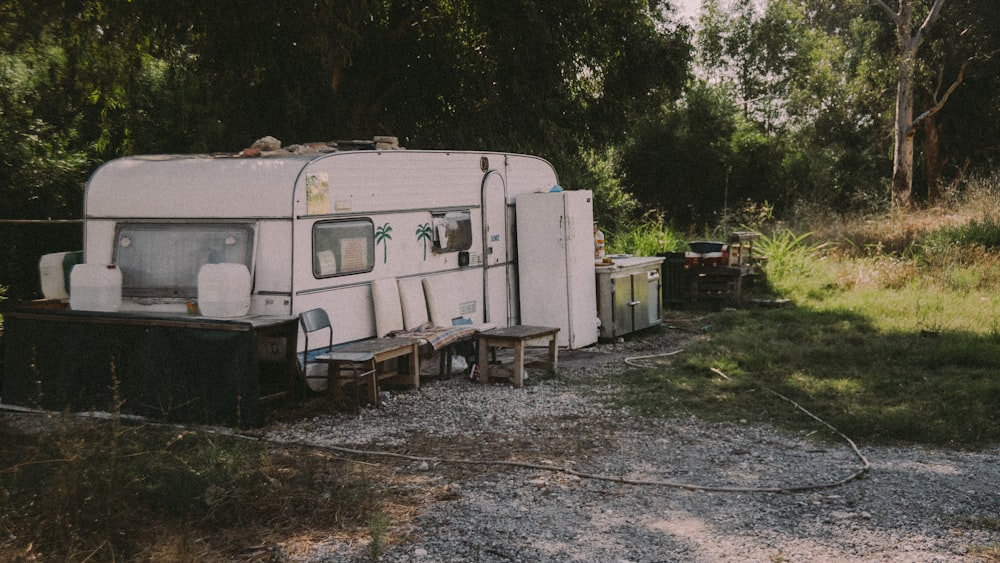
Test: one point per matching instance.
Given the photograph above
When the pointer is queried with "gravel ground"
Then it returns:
(915, 503)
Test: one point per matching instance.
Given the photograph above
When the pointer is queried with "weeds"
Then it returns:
(788, 247)
(97, 491)
(649, 238)
(983, 232)
(378, 525)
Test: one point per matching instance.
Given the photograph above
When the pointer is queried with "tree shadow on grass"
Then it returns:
(878, 386)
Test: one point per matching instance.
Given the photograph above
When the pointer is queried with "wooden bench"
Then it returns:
(424, 308)
(371, 353)
(515, 337)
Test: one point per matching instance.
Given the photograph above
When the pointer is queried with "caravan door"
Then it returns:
(495, 260)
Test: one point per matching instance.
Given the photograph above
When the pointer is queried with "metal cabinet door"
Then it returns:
(623, 305)
(640, 300)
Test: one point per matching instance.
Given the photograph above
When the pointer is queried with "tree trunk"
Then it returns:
(933, 164)
(909, 43)
(902, 156)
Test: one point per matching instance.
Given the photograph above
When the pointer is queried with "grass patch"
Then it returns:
(99, 491)
(878, 386)
(873, 368)
(890, 343)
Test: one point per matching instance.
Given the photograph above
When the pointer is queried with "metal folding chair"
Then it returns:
(360, 364)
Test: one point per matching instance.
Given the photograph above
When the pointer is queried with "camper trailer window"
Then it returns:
(343, 247)
(162, 260)
(452, 231)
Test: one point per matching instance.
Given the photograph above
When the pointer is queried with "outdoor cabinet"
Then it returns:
(628, 295)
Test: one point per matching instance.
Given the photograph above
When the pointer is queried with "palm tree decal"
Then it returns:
(424, 234)
(383, 234)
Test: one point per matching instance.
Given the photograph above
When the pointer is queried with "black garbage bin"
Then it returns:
(674, 289)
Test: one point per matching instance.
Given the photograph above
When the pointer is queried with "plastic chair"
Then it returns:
(361, 364)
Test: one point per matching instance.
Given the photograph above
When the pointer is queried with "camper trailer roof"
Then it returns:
(193, 187)
(266, 181)
(259, 181)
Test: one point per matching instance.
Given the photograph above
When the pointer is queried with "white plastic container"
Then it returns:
(52, 276)
(224, 290)
(95, 287)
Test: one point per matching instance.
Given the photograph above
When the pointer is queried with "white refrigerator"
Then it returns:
(555, 264)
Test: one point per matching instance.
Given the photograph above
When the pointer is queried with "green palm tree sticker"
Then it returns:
(383, 234)
(424, 234)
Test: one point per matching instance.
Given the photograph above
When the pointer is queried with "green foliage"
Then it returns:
(984, 232)
(803, 76)
(443, 74)
(647, 238)
(42, 162)
(786, 245)
(614, 207)
(680, 162)
(751, 216)
(791, 260)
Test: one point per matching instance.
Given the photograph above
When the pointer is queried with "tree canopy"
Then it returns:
(808, 92)
(779, 104)
(112, 77)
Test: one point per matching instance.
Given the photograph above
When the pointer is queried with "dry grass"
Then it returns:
(94, 491)
(150, 493)
(951, 247)
(896, 231)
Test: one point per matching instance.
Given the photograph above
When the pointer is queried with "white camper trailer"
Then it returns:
(318, 229)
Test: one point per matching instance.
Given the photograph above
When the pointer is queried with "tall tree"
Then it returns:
(909, 41)
(962, 50)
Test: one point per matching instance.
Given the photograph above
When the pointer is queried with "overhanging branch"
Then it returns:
(894, 16)
(932, 17)
(937, 107)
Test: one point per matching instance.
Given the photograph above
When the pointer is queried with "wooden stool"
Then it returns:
(515, 337)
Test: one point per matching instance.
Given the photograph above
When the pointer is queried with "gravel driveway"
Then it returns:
(632, 490)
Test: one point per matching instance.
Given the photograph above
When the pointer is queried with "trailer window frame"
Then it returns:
(348, 252)
(452, 231)
(161, 260)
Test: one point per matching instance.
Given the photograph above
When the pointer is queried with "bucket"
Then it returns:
(224, 290)
(95, 287)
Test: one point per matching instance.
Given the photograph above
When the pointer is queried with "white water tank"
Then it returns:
(95, 287)
(224, 290)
